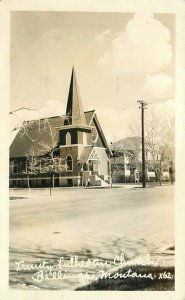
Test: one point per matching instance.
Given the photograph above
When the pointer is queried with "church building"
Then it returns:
(76, 141)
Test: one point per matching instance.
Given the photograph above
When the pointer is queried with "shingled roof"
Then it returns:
(39, 136)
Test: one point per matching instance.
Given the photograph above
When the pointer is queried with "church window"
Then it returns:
(14, 167)
(69, 163)
(22, 167)
(68, 138)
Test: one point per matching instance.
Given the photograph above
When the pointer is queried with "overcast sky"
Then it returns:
(119, 58)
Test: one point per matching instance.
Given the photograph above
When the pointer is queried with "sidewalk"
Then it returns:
(140, 185)
(26, 193)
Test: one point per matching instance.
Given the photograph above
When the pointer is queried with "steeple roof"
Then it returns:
(74, 110)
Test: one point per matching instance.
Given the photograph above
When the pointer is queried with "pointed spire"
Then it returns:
(74, 111)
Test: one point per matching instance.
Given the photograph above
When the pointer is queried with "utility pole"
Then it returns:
(142, 107)
(114, 157)
(114, 148)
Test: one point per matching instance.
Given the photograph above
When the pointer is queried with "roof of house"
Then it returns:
(39, 136)
(88, 115)
(36, 137)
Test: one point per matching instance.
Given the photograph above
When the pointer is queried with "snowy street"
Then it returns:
(89, 223)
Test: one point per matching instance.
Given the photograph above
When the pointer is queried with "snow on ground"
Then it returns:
(90, 223)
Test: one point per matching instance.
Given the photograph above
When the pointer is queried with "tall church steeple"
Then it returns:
(74, 110)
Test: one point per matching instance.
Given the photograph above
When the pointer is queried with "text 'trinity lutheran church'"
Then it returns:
(76, 139)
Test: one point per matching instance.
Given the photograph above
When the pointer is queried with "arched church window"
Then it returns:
(69, 163)
(14, 167)
(68, 138)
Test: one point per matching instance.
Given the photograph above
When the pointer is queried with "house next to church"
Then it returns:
(76, 138)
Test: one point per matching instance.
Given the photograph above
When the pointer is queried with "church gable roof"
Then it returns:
(95, 122)
(88, 153)
(36, 135)
(43, 134)
(89, 115)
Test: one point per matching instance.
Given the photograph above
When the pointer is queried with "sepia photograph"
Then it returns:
(92, 151)
(93, 174)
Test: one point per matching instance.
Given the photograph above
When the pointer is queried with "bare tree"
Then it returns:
(47, 164)
(48, 159)
(43, 157)
(159, 141)
(51, 162)
(159, 145)
(32, 166)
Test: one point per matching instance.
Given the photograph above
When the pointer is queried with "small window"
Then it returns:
(68, 138)
(15, 169)
(22, 167)
(14, 183)
(69, 163)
